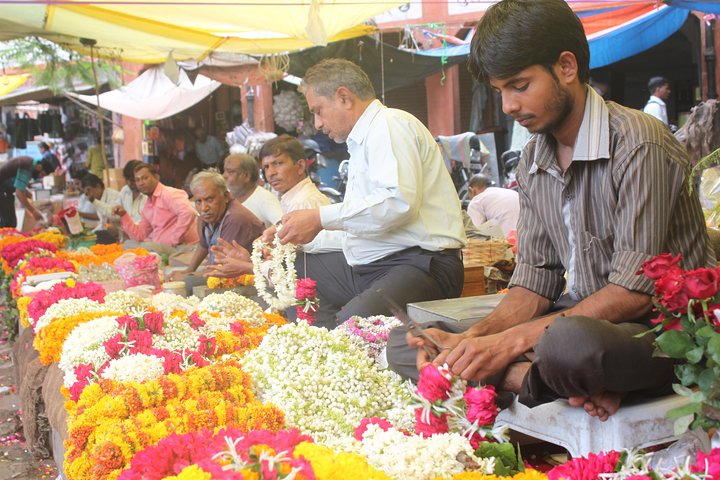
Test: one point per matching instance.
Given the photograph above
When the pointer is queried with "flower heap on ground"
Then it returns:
(282, 272)
(143, 345)
(15, 252)
(44, 299)
(112, 421)
(371, 333)
(37, 265)
(324, 382)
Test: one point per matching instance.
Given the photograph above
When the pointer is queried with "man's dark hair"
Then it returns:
(516, 34)
(91, 180)
(44, 146)
(129, 169)
(143, 165)
(286, 144)
(480, 180)
(656, 82)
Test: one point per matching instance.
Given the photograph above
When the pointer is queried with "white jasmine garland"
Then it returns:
(68, 307)
(323, 382)
(177, 335)
(412, 456)
(85, 345)
(235, 306)
(136, 367)
(124, 301)
(282, 272)
(167, 302)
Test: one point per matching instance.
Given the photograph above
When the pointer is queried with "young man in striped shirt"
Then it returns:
(602, 188)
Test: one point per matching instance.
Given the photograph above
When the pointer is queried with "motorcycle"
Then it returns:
(314, 162)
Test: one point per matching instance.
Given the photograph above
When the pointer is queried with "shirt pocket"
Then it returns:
(597, 253)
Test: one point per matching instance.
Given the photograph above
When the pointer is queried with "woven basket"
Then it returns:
(484, 252)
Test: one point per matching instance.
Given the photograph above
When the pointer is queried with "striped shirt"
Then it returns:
(623, 200)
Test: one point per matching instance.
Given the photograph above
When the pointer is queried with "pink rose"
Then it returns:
(142, 341)
(670, 292)
(481, 405)
(657, 267)
(433, 385)
(435, 424)
(384, 424)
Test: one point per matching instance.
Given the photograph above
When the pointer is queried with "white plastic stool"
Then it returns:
(636, 425)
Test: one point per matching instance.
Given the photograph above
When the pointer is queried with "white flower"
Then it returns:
(167, 302)
(85, 345)
(323, 382)
(137, 367)
(125, 302)
(371, 333)
(282, 272)
(68, 307)
(235, 306)
(177, 335)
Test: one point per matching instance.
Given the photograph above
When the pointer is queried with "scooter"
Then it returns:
(314, 161)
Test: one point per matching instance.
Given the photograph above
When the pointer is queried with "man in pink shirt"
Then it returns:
(168, 216)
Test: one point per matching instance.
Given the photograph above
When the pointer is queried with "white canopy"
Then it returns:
(153, 96)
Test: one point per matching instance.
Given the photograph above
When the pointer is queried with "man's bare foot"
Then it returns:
(514, 376)
(600, 405)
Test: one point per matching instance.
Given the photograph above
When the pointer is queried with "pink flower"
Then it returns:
(708, 462)
(154, 322)
(307, 302)
(127, 322)
(195, 321)
(585, 468)
(114, 345)
(433, 384)
(237, 328)
(362, 428)
(207, 345)
(435, 424)
(658, 266)
(142, 341)
(481, 405)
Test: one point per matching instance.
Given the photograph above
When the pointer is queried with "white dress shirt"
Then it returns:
(109, 199)
(133, 206)
(305, 195)
(657, 108)
(500, 205)
(264, 205)
(399, 193)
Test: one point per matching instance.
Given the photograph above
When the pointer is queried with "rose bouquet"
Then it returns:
(688, 303)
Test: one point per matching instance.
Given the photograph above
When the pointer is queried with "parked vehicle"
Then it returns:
(314, 162)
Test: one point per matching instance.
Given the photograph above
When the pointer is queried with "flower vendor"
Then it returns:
(241, 173)
(15, 175)
(400, 222)
(603, 189)
(168, 219)
(221, 216)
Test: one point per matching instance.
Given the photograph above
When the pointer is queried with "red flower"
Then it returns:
(585, 468)
(435, 424)
(481, 405)
(113, 345)
(433, 385)
(709, 462)
(142, 339)
(701, 283)
(658, 266)
(195, 320)
(670, 292)
(154, 322)
(362, 428)
(126, 321)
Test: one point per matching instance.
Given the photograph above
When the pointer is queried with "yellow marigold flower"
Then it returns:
(193, 472)
(22, 306)
(328, 465)
(70, 282)
(530, 474)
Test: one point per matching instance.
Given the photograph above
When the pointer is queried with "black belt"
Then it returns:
(452, 252)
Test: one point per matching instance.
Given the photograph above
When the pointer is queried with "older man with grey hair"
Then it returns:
(221, 217)
(241, 174)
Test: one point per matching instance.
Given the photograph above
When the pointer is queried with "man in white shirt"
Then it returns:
(499, 206)
(103, 200)
(400, 221)
(131, 199)
(208, 149)
(240, 172)
(659, 94)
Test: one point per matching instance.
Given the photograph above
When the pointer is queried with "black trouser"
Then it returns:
(8, 219)
(411, 275)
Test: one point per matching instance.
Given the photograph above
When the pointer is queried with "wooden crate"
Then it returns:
(476, 256)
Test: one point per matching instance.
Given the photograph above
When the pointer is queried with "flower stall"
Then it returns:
(160, 386)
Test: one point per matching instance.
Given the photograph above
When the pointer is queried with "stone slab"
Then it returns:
(463, 310)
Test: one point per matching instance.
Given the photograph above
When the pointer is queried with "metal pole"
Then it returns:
(250, 98)
(710, 57)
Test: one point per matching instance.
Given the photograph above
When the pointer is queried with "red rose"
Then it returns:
(433, 385)
(657, 266)
(670, 292)
(701, 283)
(435, 424)
(481, 405)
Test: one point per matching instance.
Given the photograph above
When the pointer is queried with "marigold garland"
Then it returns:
(51, 236)
(22, 306)
(329, 465)
(112, 421)
(14, 252)
(241, 281)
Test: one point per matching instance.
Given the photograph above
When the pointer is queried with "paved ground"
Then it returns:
(16, 462)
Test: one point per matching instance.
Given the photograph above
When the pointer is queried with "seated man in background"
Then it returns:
(130, 197)
(499, 206)
(104, 200)
(168, 219)
(240, 171)
(221, 216)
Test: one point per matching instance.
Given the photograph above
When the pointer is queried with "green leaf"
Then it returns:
(506, 460)
(706, 379)
(681, 390)
(695, 355)
(682, 424)
(713, 347)
(689, 409)
(676, 344)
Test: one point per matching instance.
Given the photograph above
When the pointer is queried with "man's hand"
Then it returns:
(446, 339)
(225, 250)
(119, 211)
(230, 268)
(178, 275)
(268, 235)
(480, 357)
(300, 227)
(37, 215)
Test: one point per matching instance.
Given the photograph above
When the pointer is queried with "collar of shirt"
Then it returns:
(592, 142)
(359, 131)
(655, 99)
(289, 197)
(157, 192)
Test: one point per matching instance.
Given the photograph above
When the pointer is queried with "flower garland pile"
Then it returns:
(15, 252)
(51, 235)
(371, 333)
(37, 266)
(282, 272)
(99, 254)
(323, 382)
(233, 305)
(227, 454)
(69, 289)
(113, 421)
(444, 403)
(241, 281)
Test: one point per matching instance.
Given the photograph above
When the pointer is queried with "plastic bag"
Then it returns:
(136, 270)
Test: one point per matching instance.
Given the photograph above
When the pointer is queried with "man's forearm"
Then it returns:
(519, 305)
(25, 201)
(197, 258)
(613, 303)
